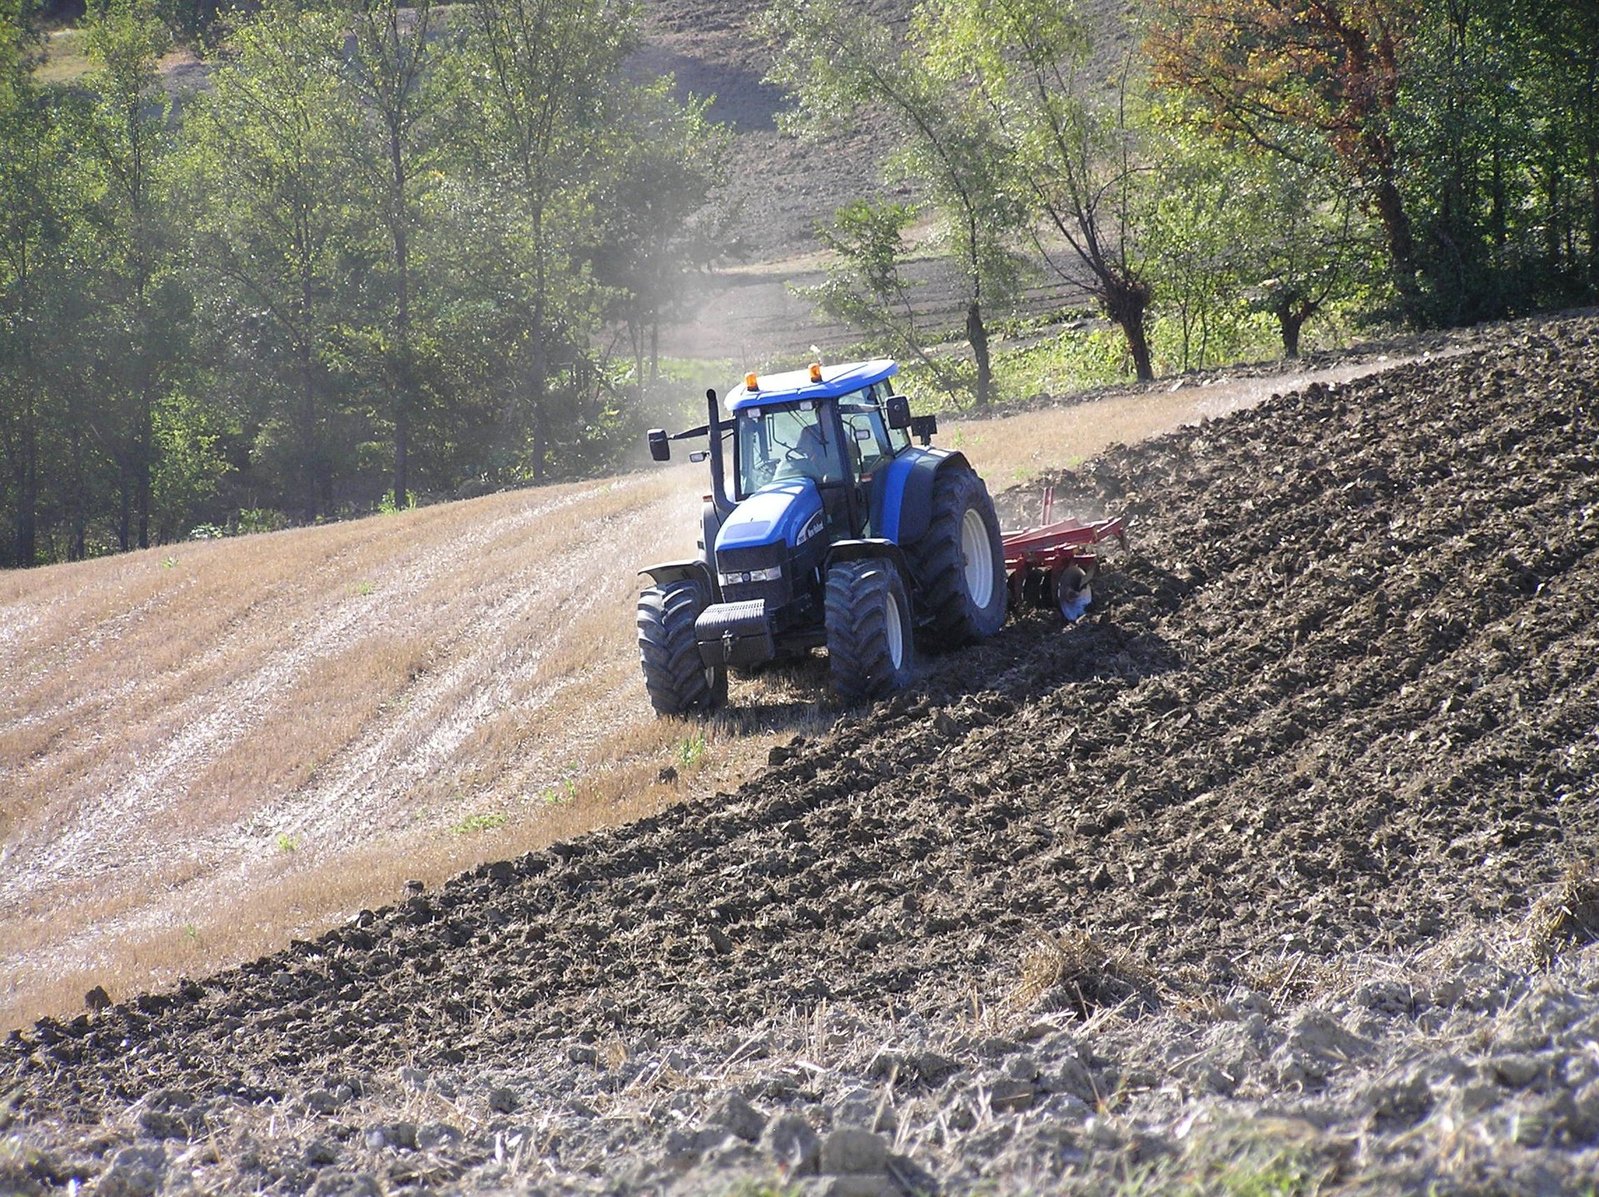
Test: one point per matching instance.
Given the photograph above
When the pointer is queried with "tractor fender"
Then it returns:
(903, 499)
(874, 547)
(683, 571)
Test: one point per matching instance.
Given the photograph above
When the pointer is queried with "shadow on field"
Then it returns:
(1033, 654)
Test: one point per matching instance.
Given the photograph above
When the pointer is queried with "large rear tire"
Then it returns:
(869, 644)
(959, 563)
(677, 678)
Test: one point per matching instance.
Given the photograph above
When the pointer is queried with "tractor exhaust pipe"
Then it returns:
(716, 425)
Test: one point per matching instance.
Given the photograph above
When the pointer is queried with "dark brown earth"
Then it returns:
(1342, 698)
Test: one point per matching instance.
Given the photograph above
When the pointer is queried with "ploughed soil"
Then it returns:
(1336, 705)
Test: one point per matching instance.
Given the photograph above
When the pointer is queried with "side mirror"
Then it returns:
(660, 447)
(898, 409)
(924, 428)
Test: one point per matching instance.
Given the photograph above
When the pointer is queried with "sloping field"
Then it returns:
(209, 749)
(208, 746)
(1279, 869)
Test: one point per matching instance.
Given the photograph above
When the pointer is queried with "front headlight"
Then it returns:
(773, 574)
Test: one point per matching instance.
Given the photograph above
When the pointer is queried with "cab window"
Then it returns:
(779, 443)
(872, 443)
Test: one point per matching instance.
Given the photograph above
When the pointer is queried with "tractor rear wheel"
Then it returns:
(959, 563)
(869, 647)
(679, 682)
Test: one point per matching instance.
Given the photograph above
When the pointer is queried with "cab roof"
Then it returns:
(793, 385)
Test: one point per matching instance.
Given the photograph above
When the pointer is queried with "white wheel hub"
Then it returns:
(894, 632)
(977, 553)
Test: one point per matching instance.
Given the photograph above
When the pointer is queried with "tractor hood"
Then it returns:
(780, 513)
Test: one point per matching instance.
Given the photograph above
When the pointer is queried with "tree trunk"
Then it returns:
(655, 345)
(402, 325)
(402, 452)
(1127, 302)
(28, 484)
(1292, 311)
(124, 511)
(1138, 346)
(977, 334)
(309, 456)
(540, 441)
(143, 452)
(1289, 322)
(1593, 214)
(77, 500)
(1401, 243)
(402, 425)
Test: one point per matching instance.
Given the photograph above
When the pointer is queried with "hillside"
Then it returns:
(211, 748)
(1278, 870)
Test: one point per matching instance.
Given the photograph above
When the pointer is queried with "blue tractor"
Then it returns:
(839, 533)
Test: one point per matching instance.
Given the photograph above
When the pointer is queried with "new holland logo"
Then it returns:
(811, 528)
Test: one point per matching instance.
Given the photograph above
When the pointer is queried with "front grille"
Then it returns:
(763, 557)
(775, 593)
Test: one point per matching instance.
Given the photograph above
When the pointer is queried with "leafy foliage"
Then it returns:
(837, 59)
(386, 251)
(1468, 127)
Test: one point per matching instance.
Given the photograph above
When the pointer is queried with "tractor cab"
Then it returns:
(834, 429)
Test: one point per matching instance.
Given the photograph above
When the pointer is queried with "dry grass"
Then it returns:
(66, 57)
(1568, 916)
(1073, 970)
(209, 749)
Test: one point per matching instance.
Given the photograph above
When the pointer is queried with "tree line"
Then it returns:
(390, 249)
(385, 248)
(1422, 161)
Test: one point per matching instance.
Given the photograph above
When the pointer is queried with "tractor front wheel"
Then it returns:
(869, 648)
(960, 563)
(679, 682)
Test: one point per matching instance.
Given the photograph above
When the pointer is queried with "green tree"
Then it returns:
(867, 285)
(271, 192)
(662, 217)
(548, 77)
(1237, 232)
(1307, 243)
(141, 308)
(1197, 243)
(1497, 132)
(402, 87)
(1271, 72)
(1074, 153)
(32, 220)
(1468, 126)
(838, 61)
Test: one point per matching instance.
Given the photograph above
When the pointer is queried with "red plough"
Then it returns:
(1052, 565)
